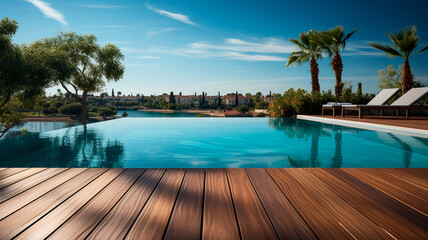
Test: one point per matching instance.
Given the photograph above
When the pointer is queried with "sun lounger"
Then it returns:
(380, 99)
(406, 102)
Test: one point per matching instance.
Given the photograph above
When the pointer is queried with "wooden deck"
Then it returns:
(213, 203)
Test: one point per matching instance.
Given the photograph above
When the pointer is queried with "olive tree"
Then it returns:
(93, 64)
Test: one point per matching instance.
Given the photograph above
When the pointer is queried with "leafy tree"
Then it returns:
(93, 64)
(25, 71)
(360, 89)
(236, 99)
(119, 93)
(405, 42)
(124, 114)
(218, 100)
(57, 104)
(389, 77)
(309, 50)
(106, 112)
(71, 109)
(334, 41)
(104, 94)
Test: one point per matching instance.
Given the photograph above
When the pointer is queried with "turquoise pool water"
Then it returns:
(212, 143)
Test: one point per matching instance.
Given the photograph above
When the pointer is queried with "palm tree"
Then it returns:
(334, 41)
(308, 50)
(405, 41)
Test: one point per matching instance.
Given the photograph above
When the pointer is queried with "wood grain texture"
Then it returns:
(15, 203)
(19, 176)
(352, 220)
(254, 224)
(10, 171)
(219, 221)
(408, 176)
(28, 183)
(33, 211)
(404, 193)
(321, 223)
(153, 219)
(82, 223)
(277, 206)
(48, 224)
(375, 211)
(186, 218)
(399, 209)
(120, 219)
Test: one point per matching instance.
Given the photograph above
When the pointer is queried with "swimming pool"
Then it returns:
(213, 143)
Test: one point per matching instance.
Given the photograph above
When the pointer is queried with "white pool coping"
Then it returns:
(369, 126)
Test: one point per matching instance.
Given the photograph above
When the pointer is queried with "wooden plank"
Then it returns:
(219, 221)
(418, 219)
(153, 219)
(408, 176)
(83, 222)
(120, 219)
(10, 171)
(416, 200)
(286, 220)
(186, 218)
(377, 212)
(253, 224)
(35, 210)
(19, 176)
(351, 219)
(28, 183)
(321, 223)
(26, 197)
(49, 223)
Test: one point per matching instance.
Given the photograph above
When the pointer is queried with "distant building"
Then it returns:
(121, 99)
(230, 100)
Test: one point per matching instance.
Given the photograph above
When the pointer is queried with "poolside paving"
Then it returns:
(235, 203)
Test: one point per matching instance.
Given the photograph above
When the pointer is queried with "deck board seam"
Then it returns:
(96, 225)
(34, 186)
(291, 203)
(174, 205)
(147, 200)
(261, 202)
(10, 184)
(45, 214)
(35, 199)
(233, 204)
(99, 192)
(1, 178)
(203, 205)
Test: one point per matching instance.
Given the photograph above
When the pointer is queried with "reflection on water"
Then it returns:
(213, 142)
(305, 130)
(73, 147)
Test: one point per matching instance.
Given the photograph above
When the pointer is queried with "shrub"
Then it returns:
(58, 104)
(46, 111)
(124, 114)
(243, 109)
(106, 112)
(53, 109)
(94, 109)
(71, 109)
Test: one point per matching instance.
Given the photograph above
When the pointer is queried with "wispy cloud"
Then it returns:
(177, 16)
(148, 57)
(102, 6)
(141, 65)
(151, 34)
(267, 49)
(48, 11)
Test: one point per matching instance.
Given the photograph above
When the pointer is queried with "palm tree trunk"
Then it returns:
(84, 112)
(314, 75)
(337, 66)
(407, 78)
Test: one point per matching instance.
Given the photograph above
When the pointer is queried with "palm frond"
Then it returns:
(387, 49)
(423, 49)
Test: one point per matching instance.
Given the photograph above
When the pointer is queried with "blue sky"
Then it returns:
(221, 45)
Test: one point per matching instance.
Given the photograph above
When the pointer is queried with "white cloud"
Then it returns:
(48, 11)
(247, 57)
(164, 30)
(102, 6)
(177, 16)
(141, 65)
(148, 57)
